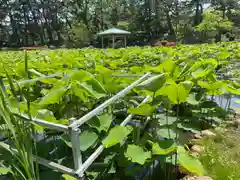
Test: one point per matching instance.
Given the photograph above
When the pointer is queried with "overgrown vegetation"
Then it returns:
(182, 81)
(221, 157)
(16, 134)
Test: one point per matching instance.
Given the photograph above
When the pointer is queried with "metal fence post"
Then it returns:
(75, 140)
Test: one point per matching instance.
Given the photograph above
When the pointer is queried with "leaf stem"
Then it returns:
(176, 139)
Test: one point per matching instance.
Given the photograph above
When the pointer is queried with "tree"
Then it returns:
(52, 22)
(214, 24)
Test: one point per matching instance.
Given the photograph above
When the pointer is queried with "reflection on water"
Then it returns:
(222, 100)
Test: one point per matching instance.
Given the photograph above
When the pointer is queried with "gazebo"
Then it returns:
(114, 33)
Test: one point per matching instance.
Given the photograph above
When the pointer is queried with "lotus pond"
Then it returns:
(190, 88)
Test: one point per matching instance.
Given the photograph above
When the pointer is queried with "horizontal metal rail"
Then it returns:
(54, 166)
(36, 79)
(94, 112)
(100, 149)
(127, 75)
(124, 123)
(44, 162)
(139, 75)
(114, 75)
(59, 75)
(50, 125)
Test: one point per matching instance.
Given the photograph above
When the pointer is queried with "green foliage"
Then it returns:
(177, 93)
(167, 66)
(53, 97)
(182, 79)
(67, 177)
(49, 116)
(79, 35)
(164, 147)
(81, 76)
(221, 155)
(87, 139)
(232, 90)
(75, 23)
(20, 161)
(91, 89)
(166, 132)
(137, 154)
(192, 164)
(101, 123)
(203, 68)
(213, 21)
(194, 128)
(4, 170)
(116, 135)
(213, 87)
(191, 99)
(143, 110)
(154, 83)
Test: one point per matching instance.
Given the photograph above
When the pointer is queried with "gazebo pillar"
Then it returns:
(125, 41)
(102, 42)
(113, 41)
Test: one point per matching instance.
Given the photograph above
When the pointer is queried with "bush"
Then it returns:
(79, 36)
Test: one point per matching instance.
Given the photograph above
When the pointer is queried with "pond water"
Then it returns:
(223, 100)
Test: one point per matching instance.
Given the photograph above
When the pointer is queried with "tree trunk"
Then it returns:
(218, 37)
(40, 31)
(43, 37)
(197, 13)
(14, 28)
(170, 26)
(48, 27)
(102, 17)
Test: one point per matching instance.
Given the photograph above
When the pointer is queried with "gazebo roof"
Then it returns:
(114, 31)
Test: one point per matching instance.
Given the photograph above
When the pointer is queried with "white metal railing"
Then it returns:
(126, 75)
(100, 149)
(36, 79)
(60, 75)
(44, 162)
(74, 131)
(107, 103)
(54, 126)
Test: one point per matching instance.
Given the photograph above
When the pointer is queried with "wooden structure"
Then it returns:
(114, 33)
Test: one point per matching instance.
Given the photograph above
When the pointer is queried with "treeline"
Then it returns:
(75, 23)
